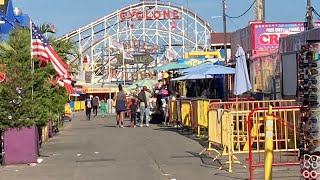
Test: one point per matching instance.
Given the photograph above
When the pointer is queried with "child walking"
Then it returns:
(103, 108)
(133, 110)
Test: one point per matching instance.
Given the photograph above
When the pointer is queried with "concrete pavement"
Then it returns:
(96, 150)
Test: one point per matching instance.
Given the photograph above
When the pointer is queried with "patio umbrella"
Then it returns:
(241, 81)
(171, 66)
(192, 77)
(213, 70)
(198, 67)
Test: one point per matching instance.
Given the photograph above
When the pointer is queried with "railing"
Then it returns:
(285, 136)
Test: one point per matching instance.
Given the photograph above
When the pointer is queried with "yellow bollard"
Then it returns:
(268, 145)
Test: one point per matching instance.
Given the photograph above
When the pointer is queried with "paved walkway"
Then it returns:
(96, 150)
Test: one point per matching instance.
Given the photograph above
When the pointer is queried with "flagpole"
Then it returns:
(31, 59)
(123, 70)
(109, 74)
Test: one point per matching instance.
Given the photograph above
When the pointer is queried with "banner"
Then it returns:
(266, 35)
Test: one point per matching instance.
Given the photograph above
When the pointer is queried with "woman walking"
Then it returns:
(120, 105)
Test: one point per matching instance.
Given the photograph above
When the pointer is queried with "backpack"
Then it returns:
(89, 104)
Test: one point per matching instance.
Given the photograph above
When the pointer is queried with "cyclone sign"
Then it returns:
(267, 35)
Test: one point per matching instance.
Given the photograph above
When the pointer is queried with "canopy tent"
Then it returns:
(171, 66)
(213, 70)
(192, 77)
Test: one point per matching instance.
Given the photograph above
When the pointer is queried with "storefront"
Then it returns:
(101, 92)
(289, 47)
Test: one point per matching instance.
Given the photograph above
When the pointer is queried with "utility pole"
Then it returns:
(309, 21)
(224, 6)
(259, 10)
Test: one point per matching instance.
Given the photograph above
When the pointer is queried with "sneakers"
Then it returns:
(140, 125)
(147, 125)
(121, 126)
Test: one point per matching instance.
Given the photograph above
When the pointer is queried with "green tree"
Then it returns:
(48, 98)
(15, 92)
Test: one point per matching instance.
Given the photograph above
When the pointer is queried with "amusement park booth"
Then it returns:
(260, 40)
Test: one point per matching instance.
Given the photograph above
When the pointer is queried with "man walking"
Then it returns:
(144, 104)
(95, 104)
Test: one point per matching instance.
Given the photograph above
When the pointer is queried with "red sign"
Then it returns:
(270, 39)
(149, 15)
(266, 35)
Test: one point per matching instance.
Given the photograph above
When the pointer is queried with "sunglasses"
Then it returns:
(301, 75)
(314, 142)
(308, 81)
(312, 174)
(306, 65)
(313, 120)
(312, 88)
(309, 104)
(310, 97)
(313, 72)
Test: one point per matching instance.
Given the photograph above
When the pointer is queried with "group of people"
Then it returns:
(93, 104)
(139, 105)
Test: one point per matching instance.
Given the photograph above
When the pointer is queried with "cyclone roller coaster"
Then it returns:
(148, 30)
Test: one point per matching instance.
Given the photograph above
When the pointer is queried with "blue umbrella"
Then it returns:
(213, 70)
(192, 77)
(200, 66)
(241, 81)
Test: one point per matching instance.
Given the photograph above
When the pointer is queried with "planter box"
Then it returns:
(20, 145)
(45, 133)
(50, 124)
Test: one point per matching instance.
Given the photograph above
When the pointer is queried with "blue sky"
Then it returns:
(68, 15)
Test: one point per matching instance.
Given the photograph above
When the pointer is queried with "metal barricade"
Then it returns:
(173, 114)
(249, 105)
(284, 136)
(186, 112)
(77, 106)
(82, 105)
(220, 136)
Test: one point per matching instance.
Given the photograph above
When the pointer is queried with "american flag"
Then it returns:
(41, 49)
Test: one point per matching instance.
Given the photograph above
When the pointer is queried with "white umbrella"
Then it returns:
(241, 81)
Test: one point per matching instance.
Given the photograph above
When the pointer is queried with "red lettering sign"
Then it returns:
(132, 13)
(175, 14)
(270, 39)
(149, 15)
(156, 14)
(123, 15)
(139, 15)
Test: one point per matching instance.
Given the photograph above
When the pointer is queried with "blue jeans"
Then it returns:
(144, 112)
